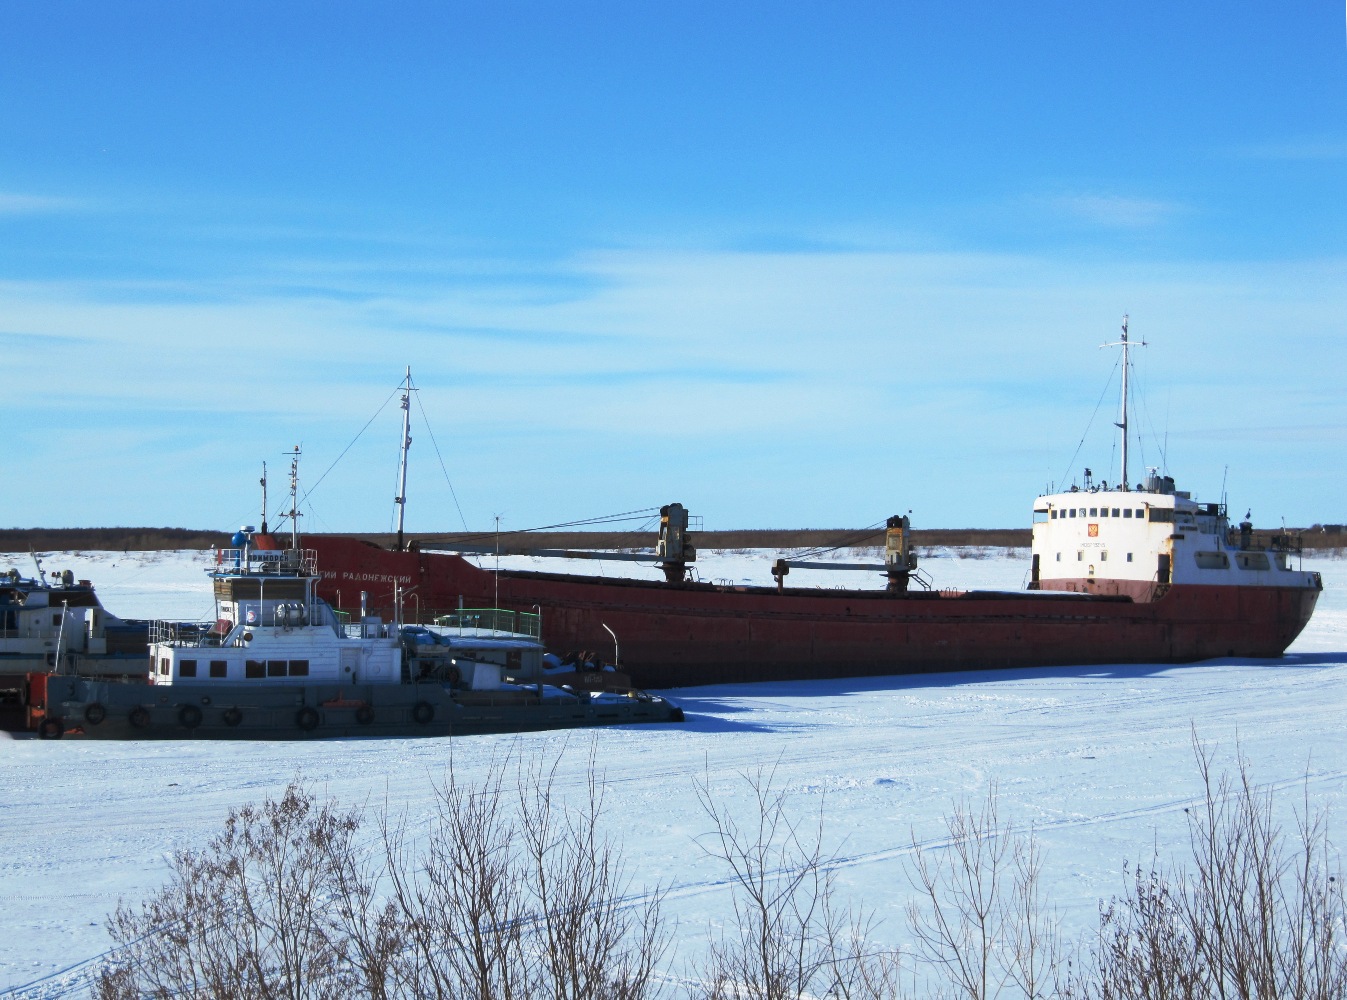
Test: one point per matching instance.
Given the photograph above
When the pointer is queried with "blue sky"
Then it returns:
(795, 265)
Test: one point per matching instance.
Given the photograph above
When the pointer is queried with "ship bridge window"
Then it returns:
(1052, 515)
(219, 668)
(1073, 511)
(1127, 512)
(1140, 512)
(1094, 511)
(1116, 512)
(276, 668)
(187, 668)
(299, 668)
(255, 668)
(1212, 560)
(1162, 514)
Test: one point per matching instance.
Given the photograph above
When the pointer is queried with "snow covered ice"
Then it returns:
(1097, 759)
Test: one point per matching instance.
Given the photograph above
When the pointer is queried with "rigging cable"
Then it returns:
(1081, 443)
(362, 430)
(443, 469)
(848, 541)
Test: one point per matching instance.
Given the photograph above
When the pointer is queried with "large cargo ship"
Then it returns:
(1118, 574)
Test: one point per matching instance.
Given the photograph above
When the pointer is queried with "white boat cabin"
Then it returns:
(271, 629)
(1141, 541)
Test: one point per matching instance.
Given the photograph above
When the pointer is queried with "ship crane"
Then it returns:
(900, 560)
(673, 549)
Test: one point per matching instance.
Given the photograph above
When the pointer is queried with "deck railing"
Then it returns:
(493, 619)
(282, 562)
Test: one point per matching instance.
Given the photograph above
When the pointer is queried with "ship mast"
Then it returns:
(264, 498)
(1121, 424)
(294, 499)
(401, 498)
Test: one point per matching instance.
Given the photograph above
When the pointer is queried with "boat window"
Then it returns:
(1103, 512)
(1127, 512)
(1080, 556)
(187, 668)
(299, 668)
(1059, 557)
(255, 668)
(1094, 511)
(1212, 560)
(1073, 511)
(1052, 515)
(275, 668)
(164, 665)
(219, 668)
(1103, 556)
(1116, 512)
(1140, 512)
(1129, 557)
(55, 620)
(1162, 514)
(1082, 512)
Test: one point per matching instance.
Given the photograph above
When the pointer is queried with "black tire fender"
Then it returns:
(364, 715)
(231, 716)
(139, 717)
(189, 716)
(423, 712)
(50, 729)
(307, 718)
(94, 713)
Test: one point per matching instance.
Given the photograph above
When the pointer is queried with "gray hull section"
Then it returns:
(109, 710)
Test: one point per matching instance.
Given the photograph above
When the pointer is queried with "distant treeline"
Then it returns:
(1326, 536)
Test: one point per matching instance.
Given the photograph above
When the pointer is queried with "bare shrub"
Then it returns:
(592, 943)
(504, 900)
(460, 905)
(1259, 915)
(247, 916)
(979, 920)
(521, 900)
(789, 937)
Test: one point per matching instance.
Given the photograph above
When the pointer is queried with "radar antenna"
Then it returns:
(1121, 424)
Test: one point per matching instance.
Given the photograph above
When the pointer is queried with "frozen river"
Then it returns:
(1097, 759)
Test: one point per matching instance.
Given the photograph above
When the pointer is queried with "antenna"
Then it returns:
(1121, 424)
(294, 513)
(401, 498)
(497, 574)
(264, 498)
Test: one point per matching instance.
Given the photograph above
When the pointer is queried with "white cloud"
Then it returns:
(1305, 148)
(14, 203)
(884, 373)
(1117, 211)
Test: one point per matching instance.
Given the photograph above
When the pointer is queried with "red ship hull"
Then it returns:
(695, 633)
